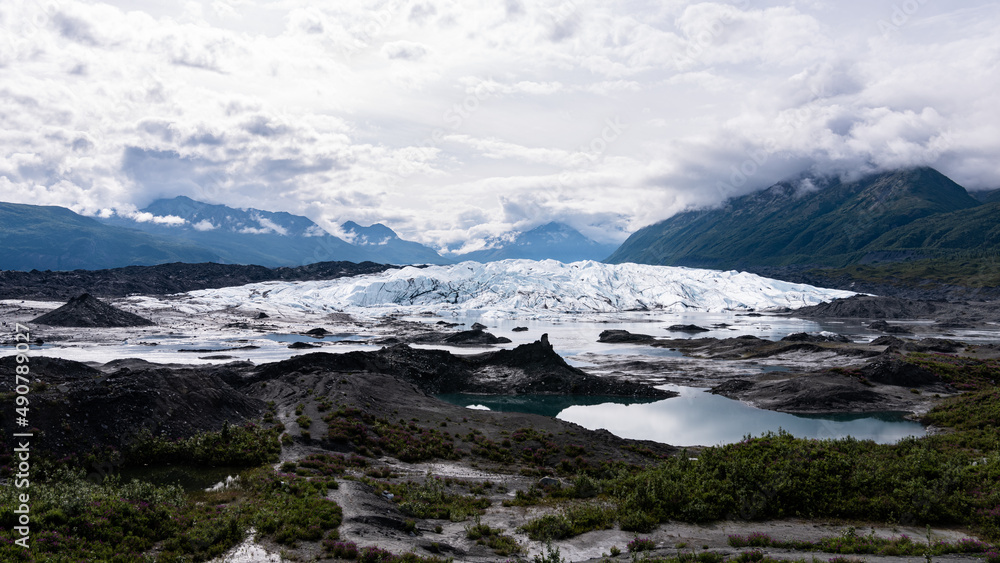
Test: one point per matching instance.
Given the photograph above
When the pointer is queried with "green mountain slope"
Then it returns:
(783, 225)
(55, 238)
(990, 196)
(976, 229)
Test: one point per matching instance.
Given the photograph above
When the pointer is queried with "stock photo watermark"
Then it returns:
(900, 16)
(594, 149)
(22, 451)
(373, 27)
(699, 42)
(454, 117)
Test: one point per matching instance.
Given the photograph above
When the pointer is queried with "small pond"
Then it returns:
(696, 417)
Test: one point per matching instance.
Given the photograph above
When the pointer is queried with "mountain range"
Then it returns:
(903, 215)
(55, 238)
(553, 240)
(917, 218)
(181, 229)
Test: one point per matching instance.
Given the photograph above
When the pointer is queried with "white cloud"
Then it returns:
(405, 50)
(145, 217)
(450, 120)
(266, 226)
(315, 231)
(205, 225)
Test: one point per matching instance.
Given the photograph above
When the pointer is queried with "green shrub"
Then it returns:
(235, 445)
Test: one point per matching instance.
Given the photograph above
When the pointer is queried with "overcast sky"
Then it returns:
(450, 121)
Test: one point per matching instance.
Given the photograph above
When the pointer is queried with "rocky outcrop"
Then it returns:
(883, 326)
(533, 368)
(88, 311)
(623, 337)
(692, 329)
(893, 371)
(807, 337)
(165, 278)
(79, 407)
(869, 307)
(474, 337)
(811, 394)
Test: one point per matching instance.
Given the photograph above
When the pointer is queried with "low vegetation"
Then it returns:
(851, 543)
(79, 520)
(945, 479)
(233, 445)
(971, 270)
(372, 436)
(572, 521)
(494, 538)
(434, 499)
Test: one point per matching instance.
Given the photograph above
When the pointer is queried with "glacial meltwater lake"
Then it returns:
(695, 418)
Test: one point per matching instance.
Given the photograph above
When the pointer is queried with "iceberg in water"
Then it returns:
(513, 287)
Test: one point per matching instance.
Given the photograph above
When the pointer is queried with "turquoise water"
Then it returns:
(545, 405)
(698, 418)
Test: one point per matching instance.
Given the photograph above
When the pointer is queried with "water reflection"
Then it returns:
(697, 417)
(545, 405)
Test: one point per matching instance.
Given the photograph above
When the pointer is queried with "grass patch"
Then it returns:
(962, 373)
(494, 538)
(246, 446)
(851, 543)
(433, 500)
(572, 521)
(374, 436)
(79, 520)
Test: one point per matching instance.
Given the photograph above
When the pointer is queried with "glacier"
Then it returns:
(522, 287)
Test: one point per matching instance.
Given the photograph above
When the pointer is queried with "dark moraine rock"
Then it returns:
(883, 326)
(165, 278)
(317, 332)
(533, 368)
(888, 341)
(732, 386)
(954, 323)
(88, 311)
(623, 336)
(942, 345)
(869, 307)
(519, 329)
(687, 328)
(302, 345)
(893, 371)
(82, 407)
(806, 337)
(475, 336)
(51, 370)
